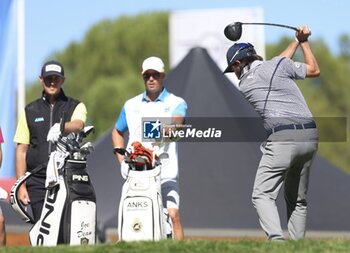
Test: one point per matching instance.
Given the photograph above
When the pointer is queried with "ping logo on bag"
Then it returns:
(45, 226)
(84, 178)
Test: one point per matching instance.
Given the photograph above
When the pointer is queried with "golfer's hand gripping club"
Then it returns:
(302, 34)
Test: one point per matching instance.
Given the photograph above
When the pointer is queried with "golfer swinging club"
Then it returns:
(292, 140)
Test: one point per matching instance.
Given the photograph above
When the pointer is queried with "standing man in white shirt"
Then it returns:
(155, 101)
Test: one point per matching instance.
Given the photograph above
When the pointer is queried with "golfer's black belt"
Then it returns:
(292, 126)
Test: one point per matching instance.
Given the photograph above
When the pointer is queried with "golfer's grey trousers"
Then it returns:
(286, 160)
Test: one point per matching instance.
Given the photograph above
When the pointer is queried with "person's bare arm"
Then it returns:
(178, 119)
(21, 169)
(302, 35)
(118, 141)
(21, 153)
(73, 126)
(290, 50)
(312, 68)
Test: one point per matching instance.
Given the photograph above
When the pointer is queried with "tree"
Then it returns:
(344, 45)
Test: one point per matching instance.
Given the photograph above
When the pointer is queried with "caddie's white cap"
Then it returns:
(153, 63)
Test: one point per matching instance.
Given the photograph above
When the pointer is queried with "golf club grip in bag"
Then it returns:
(69, 210)
(141, 214)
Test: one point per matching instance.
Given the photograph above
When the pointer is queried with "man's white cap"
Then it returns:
(153, 63)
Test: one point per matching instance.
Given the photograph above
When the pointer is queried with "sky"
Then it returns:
(50, 26)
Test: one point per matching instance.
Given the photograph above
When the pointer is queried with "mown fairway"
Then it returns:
(200, 246)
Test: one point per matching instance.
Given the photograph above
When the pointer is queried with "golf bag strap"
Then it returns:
(16, 204)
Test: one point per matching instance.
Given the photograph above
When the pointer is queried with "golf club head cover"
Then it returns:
(140, 151)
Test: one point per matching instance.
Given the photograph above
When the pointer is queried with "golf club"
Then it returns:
(233, 31)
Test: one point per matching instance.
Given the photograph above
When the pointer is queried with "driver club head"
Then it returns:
(233, 31)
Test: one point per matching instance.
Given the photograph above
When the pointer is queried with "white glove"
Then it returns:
(54, 133)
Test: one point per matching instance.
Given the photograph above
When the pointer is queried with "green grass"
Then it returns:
(200, 246)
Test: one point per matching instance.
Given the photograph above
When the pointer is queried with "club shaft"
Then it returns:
(285, 26)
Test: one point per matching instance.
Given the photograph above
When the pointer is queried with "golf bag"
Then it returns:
(69, 211)
(141, 214)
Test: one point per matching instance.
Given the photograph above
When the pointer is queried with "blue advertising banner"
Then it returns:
(8, 83)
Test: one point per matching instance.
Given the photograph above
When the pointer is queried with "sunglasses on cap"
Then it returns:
(155, 75)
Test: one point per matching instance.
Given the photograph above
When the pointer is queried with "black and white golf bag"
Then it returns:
(141, 214)
(69, 211)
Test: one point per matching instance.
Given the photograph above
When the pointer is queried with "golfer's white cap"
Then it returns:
(153, 63)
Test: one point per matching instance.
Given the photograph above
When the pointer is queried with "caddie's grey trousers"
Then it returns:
(286, 160)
